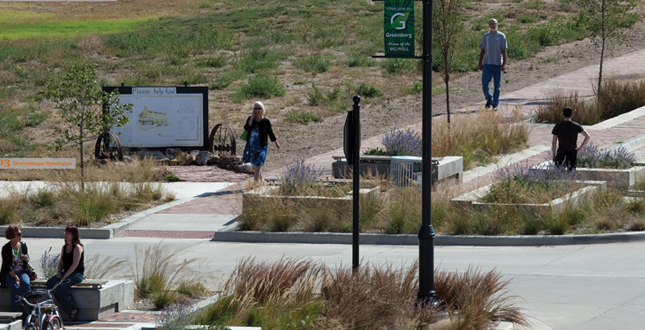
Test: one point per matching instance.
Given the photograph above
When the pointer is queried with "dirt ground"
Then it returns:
(301, 142)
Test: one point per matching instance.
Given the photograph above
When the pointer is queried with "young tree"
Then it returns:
(604, 20)
(447, 30)
(77, 94)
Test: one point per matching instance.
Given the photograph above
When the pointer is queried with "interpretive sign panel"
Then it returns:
(163, 117)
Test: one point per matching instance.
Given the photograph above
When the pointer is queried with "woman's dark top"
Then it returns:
(264, 127)
(7, 260)
(68, 260)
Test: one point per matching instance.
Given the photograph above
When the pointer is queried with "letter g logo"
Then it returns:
(399, 19)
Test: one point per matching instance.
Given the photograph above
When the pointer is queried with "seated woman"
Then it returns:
(70, 267)
(13, 273)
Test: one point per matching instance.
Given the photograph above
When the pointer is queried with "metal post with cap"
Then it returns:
(426, 293)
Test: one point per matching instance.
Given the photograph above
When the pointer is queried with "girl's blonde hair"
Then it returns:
(261, 106)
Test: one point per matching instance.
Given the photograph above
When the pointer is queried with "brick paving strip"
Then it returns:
(228, 201)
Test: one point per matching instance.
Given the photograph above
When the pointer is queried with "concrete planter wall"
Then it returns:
(449, 170)
(621, 179)
(557, 205)
(329, 202)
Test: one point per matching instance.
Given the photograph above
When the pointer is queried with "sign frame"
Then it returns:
(180, 90)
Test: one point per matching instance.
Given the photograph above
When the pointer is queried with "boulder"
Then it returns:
(213, 159)
(202, 157)
(172, 153)
(151, 154)
(245, 168)
(189, 160)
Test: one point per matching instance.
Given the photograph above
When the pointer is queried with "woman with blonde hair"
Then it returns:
(257, 146)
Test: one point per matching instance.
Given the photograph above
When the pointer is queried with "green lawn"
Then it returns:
(21, 30)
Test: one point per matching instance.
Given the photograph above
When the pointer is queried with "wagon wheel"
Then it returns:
(222, 140)
(103, 149)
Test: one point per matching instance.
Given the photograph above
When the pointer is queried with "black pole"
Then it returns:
(426, 293)
(356, 180)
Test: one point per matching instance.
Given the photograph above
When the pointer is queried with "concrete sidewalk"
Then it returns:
(590, 287)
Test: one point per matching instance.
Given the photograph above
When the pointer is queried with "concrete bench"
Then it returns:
(94, 299)
(10, 321)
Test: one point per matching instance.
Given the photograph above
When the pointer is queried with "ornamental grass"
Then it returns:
(300, 294)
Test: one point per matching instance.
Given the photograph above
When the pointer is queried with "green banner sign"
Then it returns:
(399, 28)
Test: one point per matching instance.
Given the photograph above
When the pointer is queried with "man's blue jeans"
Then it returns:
(494, 72)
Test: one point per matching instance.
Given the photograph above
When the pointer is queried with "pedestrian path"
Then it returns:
(604, 135)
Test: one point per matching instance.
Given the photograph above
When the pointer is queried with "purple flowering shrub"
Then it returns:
(519, 183)
(299, 175)
(49, 263)
(591, 157)
(402, 143)
(178, 316)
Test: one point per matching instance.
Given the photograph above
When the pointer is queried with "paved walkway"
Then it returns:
(604, 135)
(570, 287)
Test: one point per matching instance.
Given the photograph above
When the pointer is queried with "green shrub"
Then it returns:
(226, 78)
(260, 85)
(360, 60)
(214, 62)
(91, 206)
(161, 299)
(366, 91)
(314, 63)
(302, 118)
(316, 97)
(526, 19)
(397, 65)
(35, 119)
(258, 59)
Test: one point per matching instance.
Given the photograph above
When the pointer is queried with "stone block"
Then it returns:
(93, 302)
(557, 205)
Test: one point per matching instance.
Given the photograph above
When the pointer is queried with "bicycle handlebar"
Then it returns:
(47, 291)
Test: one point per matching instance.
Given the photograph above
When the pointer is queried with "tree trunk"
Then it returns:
(602, 52)
(446, 79)
(82, 169)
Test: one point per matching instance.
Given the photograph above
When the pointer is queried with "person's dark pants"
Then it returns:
(567, 158)
(14, 305)
(62, 291)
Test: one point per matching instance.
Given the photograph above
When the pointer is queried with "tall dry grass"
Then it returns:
(298, 294)
(137, 170)
(617, 97)
(64, 203)
(158, 273)
(479, 138)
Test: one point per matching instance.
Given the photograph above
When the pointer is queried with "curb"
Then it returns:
(106, 232)
(440, 240)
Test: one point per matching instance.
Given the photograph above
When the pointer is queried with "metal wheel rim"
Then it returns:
(220, 135)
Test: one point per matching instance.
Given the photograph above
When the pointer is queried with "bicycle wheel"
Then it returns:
(53, 323)
(31, 323)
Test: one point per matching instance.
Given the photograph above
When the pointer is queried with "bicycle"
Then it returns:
(44, 315)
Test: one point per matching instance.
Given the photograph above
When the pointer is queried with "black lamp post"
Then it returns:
(426, 293)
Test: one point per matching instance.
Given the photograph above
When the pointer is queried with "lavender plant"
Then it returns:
(591, 157)
(178, 316)
(300, 175)
(49, 263)
(402, 143)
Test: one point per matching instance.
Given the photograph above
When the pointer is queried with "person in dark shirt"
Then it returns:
(565, 137)
(71, 266)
